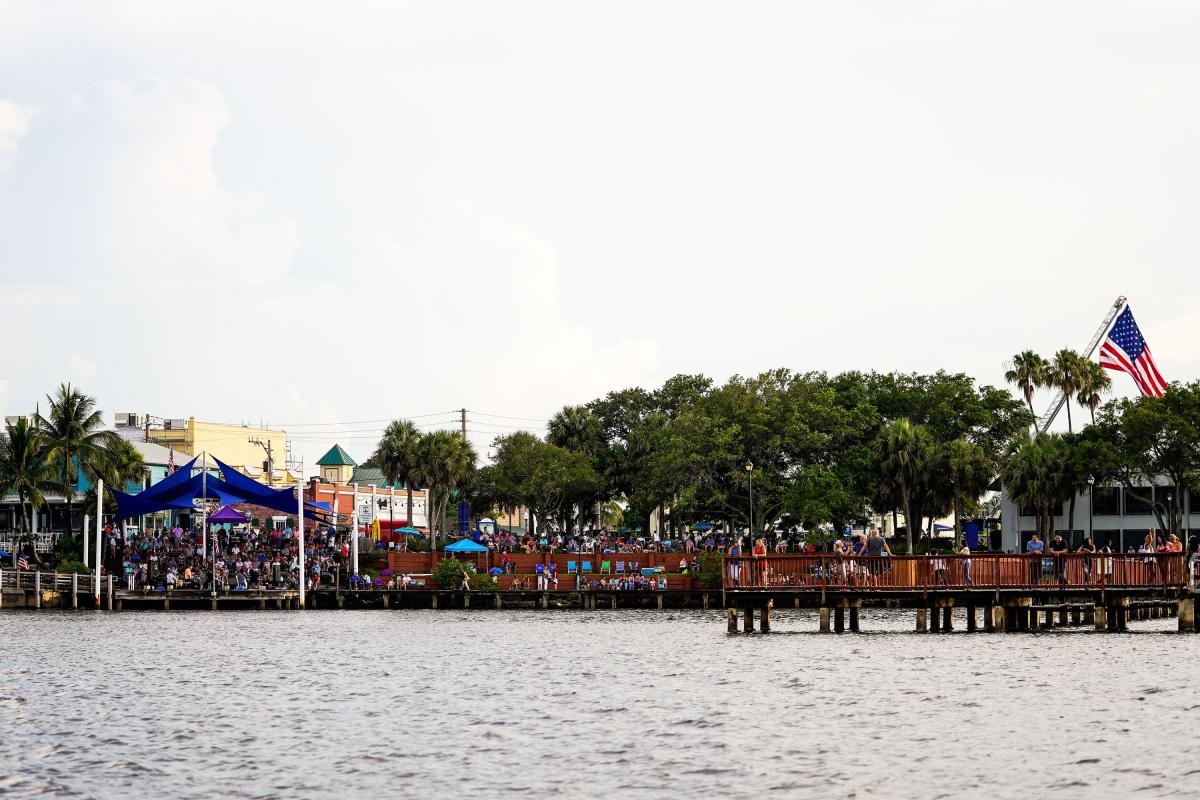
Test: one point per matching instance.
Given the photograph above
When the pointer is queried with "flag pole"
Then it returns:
(99, 533)
(300, 535)
(204, 507)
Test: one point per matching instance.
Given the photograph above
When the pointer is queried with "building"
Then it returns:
(342, 482)
(1110, 515)
(258, 453)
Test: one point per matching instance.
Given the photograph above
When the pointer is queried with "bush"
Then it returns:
(710, 570)
(484, 582)
(448, 573)
(73, 566)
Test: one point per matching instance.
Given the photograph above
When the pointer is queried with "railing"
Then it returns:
(976, 571)
(27, 580)
(43, 541)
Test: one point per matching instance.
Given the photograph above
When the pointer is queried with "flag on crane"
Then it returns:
(1125, 350)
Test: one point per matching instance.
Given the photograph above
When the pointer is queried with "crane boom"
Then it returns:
(1061, 398)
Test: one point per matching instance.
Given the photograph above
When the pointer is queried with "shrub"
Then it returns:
(710, 570)
(448, 573)
(73, 566)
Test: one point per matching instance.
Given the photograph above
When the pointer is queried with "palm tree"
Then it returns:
(577, 429)
(969, 471)
(1066, 374)
(1035, 475)
(445, 462)
(1027, 374)
(75, 441)
(904, 451)
(1094, 382)
(396, 455)
(23, 467)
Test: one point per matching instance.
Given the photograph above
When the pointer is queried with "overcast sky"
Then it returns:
(331, 212)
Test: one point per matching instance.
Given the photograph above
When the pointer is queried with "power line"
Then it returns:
(361, 421)
(502, 416)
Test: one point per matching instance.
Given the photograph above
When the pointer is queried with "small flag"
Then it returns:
(171, 462)
(22, 562)
(1126, 351)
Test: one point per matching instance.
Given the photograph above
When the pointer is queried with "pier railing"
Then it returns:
(18, 580)
(803, 572)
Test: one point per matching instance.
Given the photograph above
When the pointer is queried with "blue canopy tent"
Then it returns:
(468, 546)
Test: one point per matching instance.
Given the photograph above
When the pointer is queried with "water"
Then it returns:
(585, 704)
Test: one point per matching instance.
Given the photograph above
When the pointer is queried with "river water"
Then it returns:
(576, 704)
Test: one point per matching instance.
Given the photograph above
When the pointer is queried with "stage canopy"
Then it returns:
(178, 491)
(228, 514)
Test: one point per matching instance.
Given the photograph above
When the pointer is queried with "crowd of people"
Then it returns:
(243, 558)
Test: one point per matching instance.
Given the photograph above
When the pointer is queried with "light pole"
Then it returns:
(750, 530)
(1091, 505)
(1170, 513)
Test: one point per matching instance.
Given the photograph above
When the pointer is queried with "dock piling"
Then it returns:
(731, 614)
(747, 619)
(764, 624)
(839, 620)
(824, 619)
(922, 620)
(1186, 611)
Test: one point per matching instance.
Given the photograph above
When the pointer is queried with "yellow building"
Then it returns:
(238, 446)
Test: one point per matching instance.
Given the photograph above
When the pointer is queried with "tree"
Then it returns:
(396, 455)
(1028, 373)
(577, 429)
(75, 441)
(1034, 475)
(24, 468)
(970, 473)
(1066, 373)
(444, 463)
(547, 479)
(1094, 381)
(904, 451)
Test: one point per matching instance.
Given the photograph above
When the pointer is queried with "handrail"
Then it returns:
(819, 573)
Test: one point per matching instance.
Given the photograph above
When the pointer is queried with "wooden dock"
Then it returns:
(1013, 592)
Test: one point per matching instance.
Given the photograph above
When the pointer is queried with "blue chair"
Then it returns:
(571, 567)
(620, 567)
(540, 568)
(587, 566)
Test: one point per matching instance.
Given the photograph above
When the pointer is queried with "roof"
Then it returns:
(336, 457)
(157, 455)
(372, 476)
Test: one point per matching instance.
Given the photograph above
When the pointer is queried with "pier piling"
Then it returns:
(1186, 611)
(824, 627)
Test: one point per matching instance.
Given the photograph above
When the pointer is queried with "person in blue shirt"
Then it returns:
(1035, 547)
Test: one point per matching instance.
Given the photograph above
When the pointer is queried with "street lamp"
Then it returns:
(1170, 513)
(750, 530)
(1091, 504)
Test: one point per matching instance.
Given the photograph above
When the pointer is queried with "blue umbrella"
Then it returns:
(409, 531)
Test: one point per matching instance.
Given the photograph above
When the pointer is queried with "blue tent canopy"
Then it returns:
(466, 546)
(940, 528)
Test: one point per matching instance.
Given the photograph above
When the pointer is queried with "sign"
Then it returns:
(366, 510)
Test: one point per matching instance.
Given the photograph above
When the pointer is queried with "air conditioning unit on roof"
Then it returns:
(175, 424)
(127, 419)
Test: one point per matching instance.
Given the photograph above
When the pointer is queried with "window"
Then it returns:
(1028, 511)
(1108, 537)
(1136, 505)
(1106, 501)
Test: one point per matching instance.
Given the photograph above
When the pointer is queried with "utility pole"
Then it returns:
(146, 427)
(266, 446)
(463, 412)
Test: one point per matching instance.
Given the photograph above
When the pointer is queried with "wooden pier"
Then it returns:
(1012, 592)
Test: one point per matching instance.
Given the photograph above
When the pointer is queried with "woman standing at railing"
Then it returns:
(735, 566)
(966, 564)
(1088, 549)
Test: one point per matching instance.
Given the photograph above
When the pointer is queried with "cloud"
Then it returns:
(118, 184)
(14, 122)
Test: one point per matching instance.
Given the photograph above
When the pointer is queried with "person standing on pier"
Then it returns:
(1059, 549)
(1034, 548)
(1088, 548)
(965, 550)
(875, 548)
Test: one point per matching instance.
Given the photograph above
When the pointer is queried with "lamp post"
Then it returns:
(750, 530)
(1091, 504)
(1170, 513)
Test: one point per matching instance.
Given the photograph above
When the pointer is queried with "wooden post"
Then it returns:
(922, 620)
(74, 590)
(824, 619)
(1100, 615)
(1187, 615)
(262, 604)
(839, 620)
(994, 621)
(466, 599)
(37, 590)
(947, 619)
(341, 600)
(660, 601)
(498, 602)
(706, 601)
(612, 598)
(854, 618)
(731, 616)
(110, 592)
(748, 619)
(434, 600)
(971, 619)
(764, 623)
(387, 599)
(166, 603)
(935, 620)
(214, 604)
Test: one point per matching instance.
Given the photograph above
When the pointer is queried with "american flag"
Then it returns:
(22, 562)
(171, 462)
(1126, 351)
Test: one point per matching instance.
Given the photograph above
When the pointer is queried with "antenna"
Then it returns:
(1061, 398)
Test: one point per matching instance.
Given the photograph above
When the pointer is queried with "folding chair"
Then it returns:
(587, 566)
(620, 567)
(605, 566)
(571, 567)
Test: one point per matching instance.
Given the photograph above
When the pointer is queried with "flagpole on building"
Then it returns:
(86, 530)
(354, 537)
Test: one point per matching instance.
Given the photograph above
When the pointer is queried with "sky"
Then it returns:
(323, 215)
